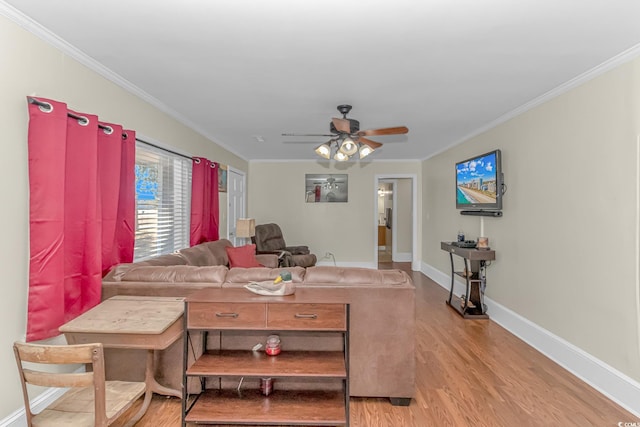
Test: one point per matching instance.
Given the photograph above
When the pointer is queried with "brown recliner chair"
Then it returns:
(269, 240)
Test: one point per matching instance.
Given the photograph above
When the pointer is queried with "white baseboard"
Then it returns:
(403, 257)
(19, 417)
(615, 385)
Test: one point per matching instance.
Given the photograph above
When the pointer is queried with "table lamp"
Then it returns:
(245, 228)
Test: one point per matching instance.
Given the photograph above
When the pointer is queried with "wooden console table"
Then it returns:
(474, 273)
(316, 310)
(132, 322)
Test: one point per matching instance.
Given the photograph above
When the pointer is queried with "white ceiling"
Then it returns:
(446, 69)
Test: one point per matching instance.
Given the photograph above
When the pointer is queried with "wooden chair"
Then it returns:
(77, 406)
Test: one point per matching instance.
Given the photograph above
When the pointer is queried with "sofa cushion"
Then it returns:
(176, 273)
(199, 255)
(328, 275)
(218, 250)
(242, 256)
(168, 259)
(117, 271)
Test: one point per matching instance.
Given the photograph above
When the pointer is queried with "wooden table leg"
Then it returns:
(152, 386)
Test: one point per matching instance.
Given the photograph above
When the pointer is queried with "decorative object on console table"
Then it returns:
(483, 243)
(471, 305)
(282, 285)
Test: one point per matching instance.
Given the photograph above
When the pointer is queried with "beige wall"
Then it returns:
(31, 66)
(404, 238)
(565, 248)
(276, 194)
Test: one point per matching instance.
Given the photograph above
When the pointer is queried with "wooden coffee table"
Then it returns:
(132, 322)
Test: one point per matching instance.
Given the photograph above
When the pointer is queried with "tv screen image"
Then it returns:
(479, 182)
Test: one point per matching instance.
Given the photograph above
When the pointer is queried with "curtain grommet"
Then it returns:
(45, 107)
(107, 130)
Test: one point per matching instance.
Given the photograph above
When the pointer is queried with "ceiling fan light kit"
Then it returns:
(349, 139)
(324, 150)
(348, 147)
(365, 150)
(340, 156)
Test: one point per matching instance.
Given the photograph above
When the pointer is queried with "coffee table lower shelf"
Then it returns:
(281, 407)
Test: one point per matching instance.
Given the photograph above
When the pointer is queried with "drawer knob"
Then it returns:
(234, 315)
(305, 316)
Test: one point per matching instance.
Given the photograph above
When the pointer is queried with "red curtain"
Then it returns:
(77, 212)
(205, 210)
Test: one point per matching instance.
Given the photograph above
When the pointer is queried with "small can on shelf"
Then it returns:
(266, 386)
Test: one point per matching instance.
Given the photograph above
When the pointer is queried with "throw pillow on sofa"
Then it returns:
(242, 256)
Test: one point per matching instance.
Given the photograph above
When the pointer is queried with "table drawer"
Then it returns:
(213, 315)
(307, 316)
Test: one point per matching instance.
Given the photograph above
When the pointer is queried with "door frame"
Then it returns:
(415, 262)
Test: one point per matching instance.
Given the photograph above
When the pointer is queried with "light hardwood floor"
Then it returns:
(469, 373)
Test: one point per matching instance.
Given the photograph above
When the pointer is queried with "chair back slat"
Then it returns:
(49, 379)
(50, 354)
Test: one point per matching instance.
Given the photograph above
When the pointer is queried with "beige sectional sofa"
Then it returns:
(382, 314)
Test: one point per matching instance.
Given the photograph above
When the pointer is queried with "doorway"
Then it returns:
(395, 219)
(236, 203)
(385, 221)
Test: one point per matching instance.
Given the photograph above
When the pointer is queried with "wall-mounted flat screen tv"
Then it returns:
(479, 182)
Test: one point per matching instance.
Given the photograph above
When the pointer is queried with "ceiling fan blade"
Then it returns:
(384, 131)
(342, 125)
(306, 134)
(370, 143)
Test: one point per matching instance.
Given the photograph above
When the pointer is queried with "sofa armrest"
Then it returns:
(298, 250)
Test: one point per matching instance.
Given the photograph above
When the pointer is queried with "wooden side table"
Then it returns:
(132, 322)
(474, 273)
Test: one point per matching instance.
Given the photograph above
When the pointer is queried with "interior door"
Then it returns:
(237, 203)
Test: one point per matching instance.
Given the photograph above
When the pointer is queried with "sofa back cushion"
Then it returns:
(353, 276)
(207, 253)
(168, 259)
(119, 270)
(176, 274)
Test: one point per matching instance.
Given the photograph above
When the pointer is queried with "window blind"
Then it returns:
(163, 201)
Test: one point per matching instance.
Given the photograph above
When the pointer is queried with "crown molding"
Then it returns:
(49, 37)
(620, 59)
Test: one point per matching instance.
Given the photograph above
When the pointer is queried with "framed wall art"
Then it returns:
(222, 178)
(326, 188)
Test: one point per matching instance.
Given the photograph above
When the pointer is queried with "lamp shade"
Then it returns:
(365, 150)
(245, 227)
(324, 150)
(340, 156)
(348, 147)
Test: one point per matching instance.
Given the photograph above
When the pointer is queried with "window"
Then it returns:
(163, 201)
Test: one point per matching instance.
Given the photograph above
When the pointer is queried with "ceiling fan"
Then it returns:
(347, 139)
